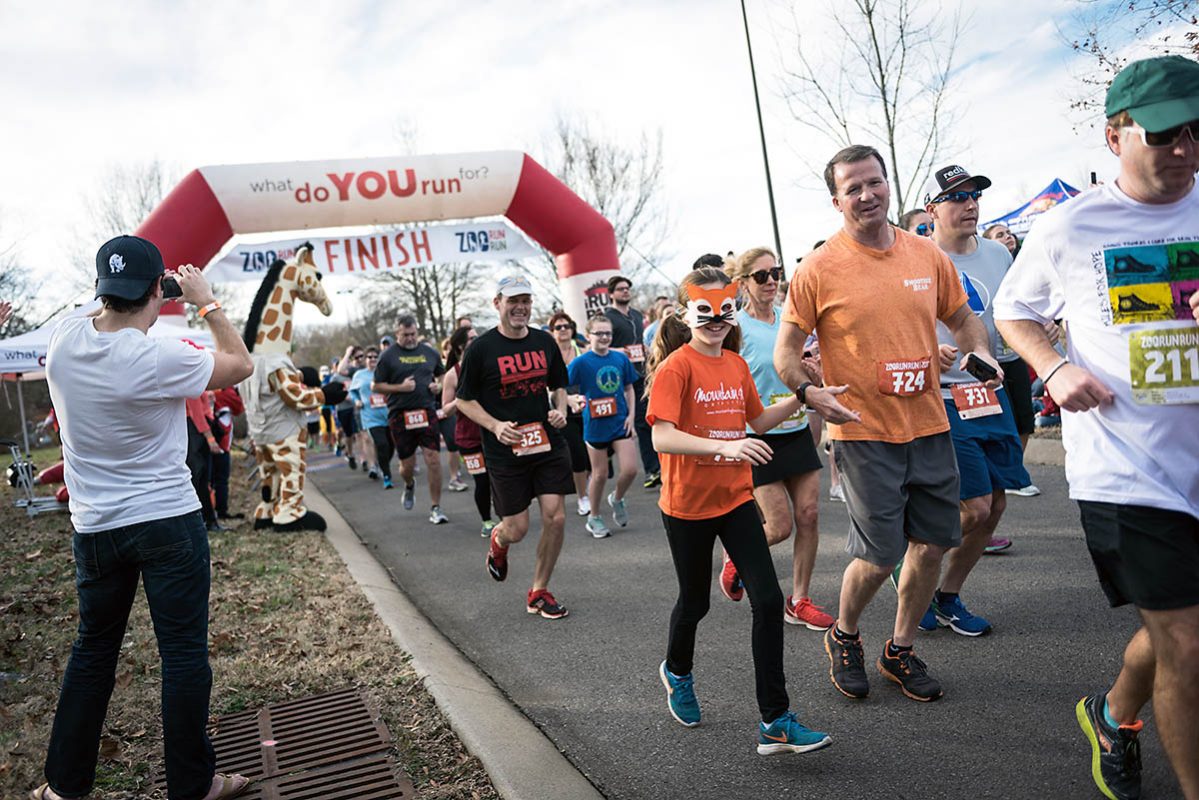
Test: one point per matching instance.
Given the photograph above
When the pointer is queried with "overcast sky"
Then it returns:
(87, 86)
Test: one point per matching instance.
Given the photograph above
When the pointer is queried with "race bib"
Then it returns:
(603, 407)
(415, 420)
(1163, 365)
(635, 352)
(474, 463)
(720, 461)
(793, 422)
(533, 440)
(903, 378)
(974, 400)
(378, 400)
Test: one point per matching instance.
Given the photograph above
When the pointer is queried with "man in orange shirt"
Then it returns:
(873, 293)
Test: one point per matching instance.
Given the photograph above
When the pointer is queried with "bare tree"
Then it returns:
(1112, 34)
(18, 287)
(884, 78)
(622, 181)
(436, 295)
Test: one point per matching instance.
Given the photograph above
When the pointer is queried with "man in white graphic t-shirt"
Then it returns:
(1120, 263)
(119, 396)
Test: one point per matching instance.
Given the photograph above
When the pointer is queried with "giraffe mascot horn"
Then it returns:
(275, 395)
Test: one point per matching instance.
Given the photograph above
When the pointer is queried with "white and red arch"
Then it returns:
(213, 204)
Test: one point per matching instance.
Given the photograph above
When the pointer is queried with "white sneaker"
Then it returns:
(456, 485)
(584, 504)
(437, 517)
(836, 493)
(1028, 491)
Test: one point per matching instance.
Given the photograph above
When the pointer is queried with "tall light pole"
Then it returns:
(778, 242)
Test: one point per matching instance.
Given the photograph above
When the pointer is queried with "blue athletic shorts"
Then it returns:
(988, 450)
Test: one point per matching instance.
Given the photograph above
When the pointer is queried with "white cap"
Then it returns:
(513, 285)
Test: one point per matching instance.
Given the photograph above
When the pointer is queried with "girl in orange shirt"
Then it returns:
(701, 395)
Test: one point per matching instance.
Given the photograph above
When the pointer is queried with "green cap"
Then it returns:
(1158, 93)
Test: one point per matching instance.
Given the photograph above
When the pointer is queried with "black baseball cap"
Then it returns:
(947, 179)
(126, 267)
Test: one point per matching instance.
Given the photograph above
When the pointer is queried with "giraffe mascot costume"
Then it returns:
(275, 395)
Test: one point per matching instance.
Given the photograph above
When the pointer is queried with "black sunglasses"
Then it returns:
(762, 275)
(959, 197)
(562, 327)
(1170, 136)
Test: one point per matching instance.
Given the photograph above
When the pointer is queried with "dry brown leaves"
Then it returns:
(286, 620)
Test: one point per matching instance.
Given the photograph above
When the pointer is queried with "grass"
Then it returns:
(286, 620)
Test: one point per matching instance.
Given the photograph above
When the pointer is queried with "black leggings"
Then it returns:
(741, 533)
(384, 449)
(482, 490)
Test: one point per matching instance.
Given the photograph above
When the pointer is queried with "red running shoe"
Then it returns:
(497, 558)
(805, 612)
(730, 581)
(543, 603)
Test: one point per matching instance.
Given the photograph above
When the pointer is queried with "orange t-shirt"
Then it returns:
(875, 314)
(712, 397)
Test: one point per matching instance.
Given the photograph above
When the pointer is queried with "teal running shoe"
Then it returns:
(620, 512)
(680, 696)
(787, 735)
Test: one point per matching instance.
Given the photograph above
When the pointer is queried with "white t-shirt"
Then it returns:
(119, 399)
(1120, 273)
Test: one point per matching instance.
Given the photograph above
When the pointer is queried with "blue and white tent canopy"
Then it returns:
(1020, 220)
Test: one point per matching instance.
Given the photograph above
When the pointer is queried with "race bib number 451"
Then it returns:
(1163, 365)
(904, 378)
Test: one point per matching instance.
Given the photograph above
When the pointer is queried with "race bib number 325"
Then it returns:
(532, 440)
(904, 378)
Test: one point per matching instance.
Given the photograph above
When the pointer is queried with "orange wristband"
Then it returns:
(208, 309)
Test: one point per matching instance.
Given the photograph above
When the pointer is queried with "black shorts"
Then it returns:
(314, 429)
(514, 485)
(573, 434)
(607, 446)
(347, 420)
(1019, 391)
(407, 441)
(447, 433)
(794, 454)
(1145, 556)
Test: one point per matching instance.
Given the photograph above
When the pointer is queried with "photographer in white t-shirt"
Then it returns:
(119, 396)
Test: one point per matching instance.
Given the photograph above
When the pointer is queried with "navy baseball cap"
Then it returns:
(126, 266)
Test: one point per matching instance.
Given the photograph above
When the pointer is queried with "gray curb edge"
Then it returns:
(522, 761)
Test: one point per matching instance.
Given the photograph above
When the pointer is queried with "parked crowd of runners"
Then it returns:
(907, 352)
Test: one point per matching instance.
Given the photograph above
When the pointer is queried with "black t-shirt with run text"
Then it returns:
(396, 364)
(511, 378)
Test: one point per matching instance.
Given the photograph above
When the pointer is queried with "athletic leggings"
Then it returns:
(482, 489)
(384, 449)
(741, 533)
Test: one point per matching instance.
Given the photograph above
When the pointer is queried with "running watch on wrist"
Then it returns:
(802, 391)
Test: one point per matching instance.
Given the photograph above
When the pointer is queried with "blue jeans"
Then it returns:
(171, 557)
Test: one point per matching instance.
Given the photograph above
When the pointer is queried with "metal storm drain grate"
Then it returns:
(324, 747)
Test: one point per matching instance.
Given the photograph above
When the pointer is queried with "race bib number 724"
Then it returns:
(904, 378)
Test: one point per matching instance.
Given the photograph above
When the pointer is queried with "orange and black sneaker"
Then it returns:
(1115, 752)
(903, 667)
(497, 558)
(543, 603)
(847, 664)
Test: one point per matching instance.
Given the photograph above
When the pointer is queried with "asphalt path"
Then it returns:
(1005, 728)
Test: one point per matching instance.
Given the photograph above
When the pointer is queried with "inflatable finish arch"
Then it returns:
(212, 204)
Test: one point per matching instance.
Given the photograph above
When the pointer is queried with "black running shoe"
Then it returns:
(1130, 303)
(1115, 753)
(1186, 258)
(911, 674)
(1127, 265)
(652, 480)
(847, 665)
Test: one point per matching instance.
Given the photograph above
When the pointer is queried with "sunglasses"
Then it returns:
(1168, 137)
(924, 229)
(561, 327)
(763, 275)
(959, 197)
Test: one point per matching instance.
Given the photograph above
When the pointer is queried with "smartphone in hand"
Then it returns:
(980, 369)
(171, 288)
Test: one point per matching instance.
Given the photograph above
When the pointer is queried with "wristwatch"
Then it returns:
(802, 391)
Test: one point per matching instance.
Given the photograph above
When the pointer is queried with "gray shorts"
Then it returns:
(896, 492)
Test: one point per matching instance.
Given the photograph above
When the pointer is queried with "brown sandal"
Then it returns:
(229, 786)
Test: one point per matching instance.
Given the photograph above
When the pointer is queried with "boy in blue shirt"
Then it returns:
(605, 378)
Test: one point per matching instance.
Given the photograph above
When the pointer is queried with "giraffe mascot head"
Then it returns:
(276, 398)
